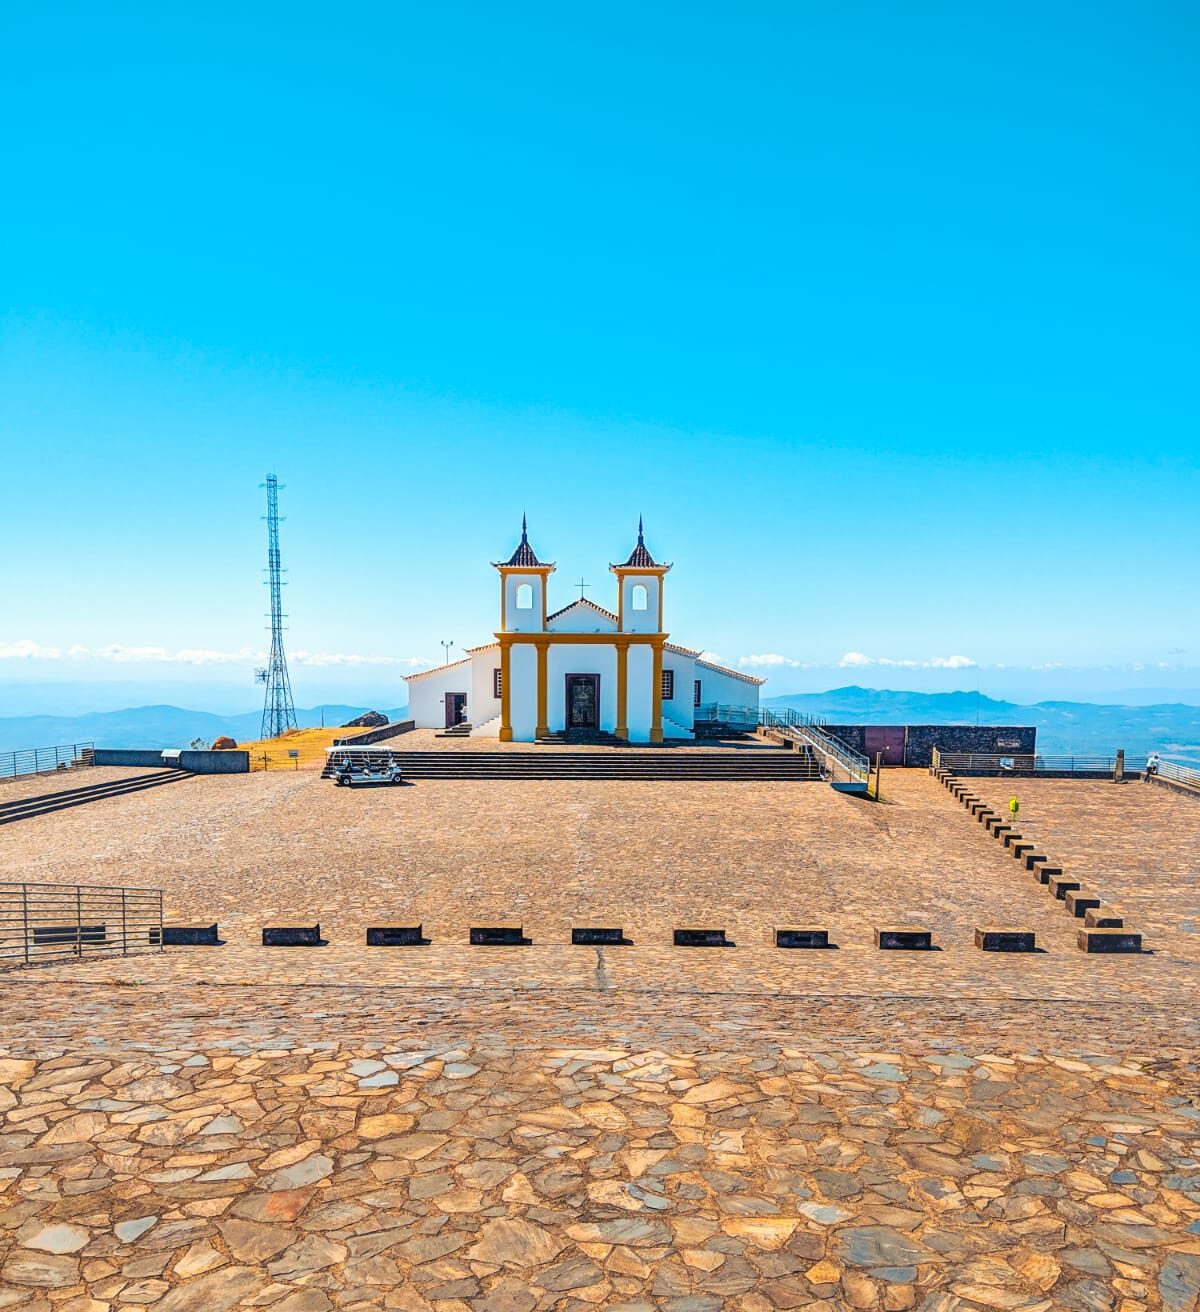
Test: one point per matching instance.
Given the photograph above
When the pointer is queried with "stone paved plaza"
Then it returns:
(551, 1126)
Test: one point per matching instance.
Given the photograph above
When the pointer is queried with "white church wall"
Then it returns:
(483, 709)
(580, 658)
(726, 689)
(581, 619)
(427, 694)
(522, 697)
(640, 621)
(679, 708)
(639, 706)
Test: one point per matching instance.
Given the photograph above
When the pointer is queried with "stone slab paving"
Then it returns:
(555, 1127)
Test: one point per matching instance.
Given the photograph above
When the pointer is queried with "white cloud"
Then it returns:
(115, 653)
(765, 660)
(857, 660)
(24, 650)
(713, 657)
(323, 659)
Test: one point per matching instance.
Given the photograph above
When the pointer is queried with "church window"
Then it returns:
(525, 596)
(668, 684)
(640, 598)
(696, 693)
(497, 684)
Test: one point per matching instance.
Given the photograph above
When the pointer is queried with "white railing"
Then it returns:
(1180, 774)
(806, 729)
(1034, 763)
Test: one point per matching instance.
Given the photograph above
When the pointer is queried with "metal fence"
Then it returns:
(44, 760)
(1033, 763)
(55, 922)
(1180, 774)
(807, 729)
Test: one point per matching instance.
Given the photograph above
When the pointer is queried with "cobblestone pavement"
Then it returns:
(640, 1127)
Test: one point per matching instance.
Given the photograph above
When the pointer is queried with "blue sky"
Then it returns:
(884, 316)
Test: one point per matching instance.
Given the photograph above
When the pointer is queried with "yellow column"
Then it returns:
(656, 733)
(543, 660)
(505, 694)
(622, 730)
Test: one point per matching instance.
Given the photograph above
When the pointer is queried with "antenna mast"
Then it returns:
(279, 714)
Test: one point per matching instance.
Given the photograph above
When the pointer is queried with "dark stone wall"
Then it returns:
(921, 739)
(127, 756)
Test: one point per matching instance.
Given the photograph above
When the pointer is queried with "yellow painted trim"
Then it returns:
(622, 729)
(620, 606)
(660, 605)
(505, 695)
(526, 569)
(543, 653)
(552, 639)
(640, 569)
(656, 733)
(503, 602)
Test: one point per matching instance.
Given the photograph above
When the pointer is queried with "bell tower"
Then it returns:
(640, 590)
(523, 588)
(640, 612)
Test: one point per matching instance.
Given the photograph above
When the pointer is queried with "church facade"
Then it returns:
(582, 668)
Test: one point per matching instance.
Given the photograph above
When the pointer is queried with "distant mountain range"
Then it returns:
(1085, 727)
(158, 726)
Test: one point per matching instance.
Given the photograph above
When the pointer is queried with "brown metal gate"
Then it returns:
(886, 740)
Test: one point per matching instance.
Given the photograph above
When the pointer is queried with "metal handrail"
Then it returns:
(1180, 774)
(1035, 763)
(806, 729)
(55, 922)
(44, 760)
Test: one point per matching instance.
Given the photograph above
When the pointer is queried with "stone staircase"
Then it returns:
(648, 764)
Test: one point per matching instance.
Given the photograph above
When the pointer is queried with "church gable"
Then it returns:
(582, 616)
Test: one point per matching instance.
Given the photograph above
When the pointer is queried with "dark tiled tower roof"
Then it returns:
(524, 554)
(639, 557)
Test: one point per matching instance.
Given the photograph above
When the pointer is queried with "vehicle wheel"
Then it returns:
(342, 782)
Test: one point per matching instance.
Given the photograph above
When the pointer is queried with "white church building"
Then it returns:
(581, 668)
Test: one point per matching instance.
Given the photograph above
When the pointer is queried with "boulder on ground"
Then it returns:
(370, 720)
(223, 744)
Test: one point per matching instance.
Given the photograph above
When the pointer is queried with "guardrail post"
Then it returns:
(124, 936)
(78, 921)
(161, 945)
(25, 920)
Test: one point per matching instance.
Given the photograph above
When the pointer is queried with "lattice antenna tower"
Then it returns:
(279, 713)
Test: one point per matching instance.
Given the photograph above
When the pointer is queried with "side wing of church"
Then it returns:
(580, 670)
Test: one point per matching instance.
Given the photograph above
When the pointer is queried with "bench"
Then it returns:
(186, 936)
(293, 936)
(993, 822)
(52, 935)
(1005, 940)
(1044, 874)
(985, 815)
(1103, 917)
(904, 938)
(976, 808)
(498, 936)
(395, 936)
(1034, 859)
(801, 937)
(598, 936)
(702, 938)
(1061, 885)
(1109, 940)
(1002, 830)
(1080, 901)
(1021, 849)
